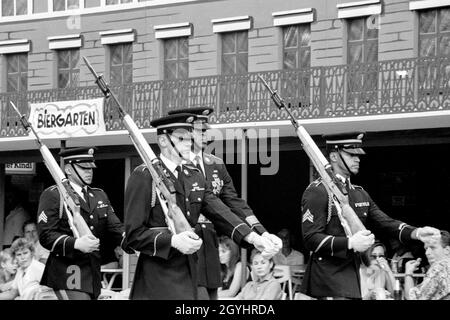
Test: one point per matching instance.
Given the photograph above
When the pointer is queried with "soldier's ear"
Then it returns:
(162, 140)
(333, 156)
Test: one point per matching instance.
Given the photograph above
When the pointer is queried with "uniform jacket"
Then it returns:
(222, 186)
(162, 272)
(333, 269)
(66, 267)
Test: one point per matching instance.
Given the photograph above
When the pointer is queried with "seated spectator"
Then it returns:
(26, 282)
(229, 256)
(118, 264)
(377, 279)
(436, 284)
(264, 286)
(16, 217)
(31, 234)
(8, 269)
(400, 256)
(287, 255)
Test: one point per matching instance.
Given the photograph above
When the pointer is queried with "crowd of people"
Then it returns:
(189, 243)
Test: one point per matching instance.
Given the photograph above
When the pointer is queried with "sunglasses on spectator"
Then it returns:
(377, 256)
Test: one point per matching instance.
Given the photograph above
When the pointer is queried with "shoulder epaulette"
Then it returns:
(141, 167)
(315, 183)
(51, 188)
(357, 187)
(209, 158)
(98, 189)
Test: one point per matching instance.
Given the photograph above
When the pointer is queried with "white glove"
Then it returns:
(187, 242)
(361, 241)
(277, 242)
(264, 245)
(428, 234)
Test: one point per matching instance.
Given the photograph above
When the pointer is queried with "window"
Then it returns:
(17, 72)
(62, 5)
(68, 68)
(121, 73)
(434, 32)
(362, 60)
(295, 85)
(108, 2)
(234, 52)
(434, 50)
(14, 7)
(176, 66)
(121, 67)
(362, 42)
(233, 87)
(176, 62)
(297, 46)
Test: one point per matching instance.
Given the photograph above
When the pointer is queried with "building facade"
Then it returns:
(377, 66)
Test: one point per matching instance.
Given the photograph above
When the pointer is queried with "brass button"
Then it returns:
(188, 213)
(203, 225)
(91, 216)
(92, 227)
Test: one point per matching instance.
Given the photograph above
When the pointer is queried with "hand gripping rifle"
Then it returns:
(69, 196)
(349, 220)
(175, 219)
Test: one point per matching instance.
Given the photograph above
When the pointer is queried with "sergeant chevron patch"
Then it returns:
(307, 216)
(42, 217)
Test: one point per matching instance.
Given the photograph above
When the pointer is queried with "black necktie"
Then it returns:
(199, 167)
(178, 169)
(85, 195)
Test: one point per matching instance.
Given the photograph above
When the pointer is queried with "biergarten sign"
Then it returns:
(68, 119)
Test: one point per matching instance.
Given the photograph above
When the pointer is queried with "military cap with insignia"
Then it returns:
(349, 142)
(173, 122)
(83, 157)
(202, 114)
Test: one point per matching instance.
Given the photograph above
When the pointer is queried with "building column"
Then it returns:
(244, 195)
(126, 257)
(2, 202)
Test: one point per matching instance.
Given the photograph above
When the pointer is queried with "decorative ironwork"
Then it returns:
(387, 87)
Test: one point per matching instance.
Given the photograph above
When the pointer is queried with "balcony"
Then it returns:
(387, 87)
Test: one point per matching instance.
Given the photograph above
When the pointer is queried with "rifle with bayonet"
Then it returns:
(175, 219)
(347, 216)
(70, 198)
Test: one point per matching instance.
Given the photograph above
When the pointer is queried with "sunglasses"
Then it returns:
(377, 256)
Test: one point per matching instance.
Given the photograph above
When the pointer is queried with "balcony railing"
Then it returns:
(387, 87)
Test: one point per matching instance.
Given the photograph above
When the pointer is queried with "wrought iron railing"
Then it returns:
(387, 87)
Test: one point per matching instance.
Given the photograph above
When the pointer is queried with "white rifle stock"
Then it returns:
(175, 219)
(349, 220)
(70, 198)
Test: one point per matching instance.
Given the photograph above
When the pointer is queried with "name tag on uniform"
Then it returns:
(197, 188)
(100, 205)
(362, 204)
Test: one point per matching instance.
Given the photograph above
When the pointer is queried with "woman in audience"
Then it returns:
(8, 269)
(231, 268)
(26, 282)
(264, 286)
(377, 279)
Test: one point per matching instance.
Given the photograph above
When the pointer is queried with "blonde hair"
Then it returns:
(5, 254)
(20, 244)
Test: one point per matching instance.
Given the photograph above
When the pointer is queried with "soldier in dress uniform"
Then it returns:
(167, 265)
(216, 173)
(73, 267)
(333, 267)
